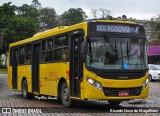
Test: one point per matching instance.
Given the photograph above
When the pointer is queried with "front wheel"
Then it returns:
(150, 78)
(114, 103)
(65, 96)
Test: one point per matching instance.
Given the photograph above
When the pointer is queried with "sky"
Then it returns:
(139, 9)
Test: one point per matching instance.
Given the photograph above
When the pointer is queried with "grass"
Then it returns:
(3, 71)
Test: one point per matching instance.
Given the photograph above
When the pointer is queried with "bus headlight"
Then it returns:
(94, 83)
(144, 83)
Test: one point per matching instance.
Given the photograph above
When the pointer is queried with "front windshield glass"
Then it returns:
(116, 53)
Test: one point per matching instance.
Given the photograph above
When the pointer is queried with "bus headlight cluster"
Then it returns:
(94, 83)
(144, 83)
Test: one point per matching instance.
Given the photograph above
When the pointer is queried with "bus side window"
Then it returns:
(61, 48)
(61, 54)
(22, 55)
(28, 54)
(47, 50)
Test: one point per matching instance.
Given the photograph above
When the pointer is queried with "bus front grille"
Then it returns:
(136, 91)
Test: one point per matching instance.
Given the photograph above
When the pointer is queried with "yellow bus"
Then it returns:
(97, 59)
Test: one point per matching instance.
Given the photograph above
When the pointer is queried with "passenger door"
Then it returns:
(14, 68)
(76, 65)
(35, 67)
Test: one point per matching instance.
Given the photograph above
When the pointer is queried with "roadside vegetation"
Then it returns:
(3, 71)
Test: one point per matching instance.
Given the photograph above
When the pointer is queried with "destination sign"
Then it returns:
(117, 28)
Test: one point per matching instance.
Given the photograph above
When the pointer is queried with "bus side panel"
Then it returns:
(51, 80)
(43, 74)
(24, 71)
(60, 70)
(10, 77)
(49, 75)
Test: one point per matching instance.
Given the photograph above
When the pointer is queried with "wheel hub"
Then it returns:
(66, 94)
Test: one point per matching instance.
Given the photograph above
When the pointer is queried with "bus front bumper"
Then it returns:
(94, 93)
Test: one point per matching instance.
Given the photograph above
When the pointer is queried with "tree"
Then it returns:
(109, 17)
(157, 29)
(6, 17)
(36, 4)
(28, 11)
(15, 27)
(83, 13)
(27, 17)
(24, 28)
(101, 13)
(1, 61)
(124, 17)
(94, 12)
(104, 13)
(48, 18)
(72, 16)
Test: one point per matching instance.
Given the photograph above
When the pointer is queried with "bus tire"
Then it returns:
(65, 96)
(114, 103)
(150, 78)
(25, 93)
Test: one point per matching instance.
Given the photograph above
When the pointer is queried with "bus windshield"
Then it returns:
(116, 53)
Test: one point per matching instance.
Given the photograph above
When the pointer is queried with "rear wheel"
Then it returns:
(114, 103)
(25, 93)
(65, 96)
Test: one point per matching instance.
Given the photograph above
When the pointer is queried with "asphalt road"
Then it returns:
(48, 107)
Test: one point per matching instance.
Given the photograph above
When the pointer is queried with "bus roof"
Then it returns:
(63, 29)
(115, 21)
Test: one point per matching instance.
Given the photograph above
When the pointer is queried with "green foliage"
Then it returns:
(157, 26)
(1, 60)
(155, 29)
(28, 11)
(20, 25)
(6, 15)
(36, 3)
(21, 22)
(6, 20)
(72, 16)
(124, 17)
(2, 66)
(48, 18)
(3, 70)
(109, 17)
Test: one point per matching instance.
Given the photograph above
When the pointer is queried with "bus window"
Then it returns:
(61, 41)
(22, 55)
(28, 54)
(47, 50)
(61, 48)
(61, 54)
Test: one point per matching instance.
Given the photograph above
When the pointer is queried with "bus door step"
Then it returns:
(36, 93)
(73, 97)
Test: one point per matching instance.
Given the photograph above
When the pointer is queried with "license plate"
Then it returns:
(122, 93)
